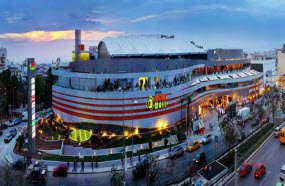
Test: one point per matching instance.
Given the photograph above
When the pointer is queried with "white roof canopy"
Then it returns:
(148, 44)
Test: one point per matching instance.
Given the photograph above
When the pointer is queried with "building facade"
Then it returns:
(3, 59)
(269, 69)
(145, 82)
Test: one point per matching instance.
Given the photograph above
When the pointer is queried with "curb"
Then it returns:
(256, 151)
(7, 161)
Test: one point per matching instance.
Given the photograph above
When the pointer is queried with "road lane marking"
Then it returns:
(268, 172)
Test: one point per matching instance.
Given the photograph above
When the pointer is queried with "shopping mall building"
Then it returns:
(140, 81)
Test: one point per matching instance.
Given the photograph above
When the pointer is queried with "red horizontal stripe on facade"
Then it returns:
(107, 99)
(255, 86)
(115, 118)
(98, 105)
(108, 105)
(106, 111)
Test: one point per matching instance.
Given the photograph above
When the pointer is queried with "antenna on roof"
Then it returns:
(198, 46)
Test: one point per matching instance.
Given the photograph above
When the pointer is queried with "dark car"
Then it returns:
(200, 158)
(19, 164)
(1, 132)
(140, 169)
(36, 175)
(259, 171)
(8, 138)
(3, 126)
(265, 120)
(13, 132)
(60, 170)
(242, 136)
(245, 168)
(176, 152)
(16, 121)
(255, 122)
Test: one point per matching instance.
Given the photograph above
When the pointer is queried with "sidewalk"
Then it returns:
(105, 166)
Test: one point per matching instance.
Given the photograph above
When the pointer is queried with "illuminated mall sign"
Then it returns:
(156, 102)
(31, 105)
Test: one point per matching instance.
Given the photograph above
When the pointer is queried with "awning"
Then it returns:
(242, 74)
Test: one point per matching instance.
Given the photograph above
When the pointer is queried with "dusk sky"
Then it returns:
(44, 29)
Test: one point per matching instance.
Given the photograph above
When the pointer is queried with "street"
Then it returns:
(182, 165)
(6, 148)
(272, 155)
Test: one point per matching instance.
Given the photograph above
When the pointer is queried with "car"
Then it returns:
(279, 184)
(242, 136)
(140, 170)
(1, 132)
(193, 146)
(200, 158)
(13, 132)
(260, 170)
(265, 120)
(176, 152)
(19, 164)
(207, 139)
(245, 169)
(36, 175)
(3, 126)
(282, 173)
(255, 122)
(60, 170)
(14, 122)
(8, 138)
(276, 132)
(17, 121)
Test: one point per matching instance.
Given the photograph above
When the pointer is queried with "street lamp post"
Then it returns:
(133, 130)
(124, 147)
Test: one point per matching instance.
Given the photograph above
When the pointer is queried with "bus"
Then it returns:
(282, 135)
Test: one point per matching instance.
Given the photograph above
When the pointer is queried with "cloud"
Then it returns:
(105, 21)
(193, 9)
(144, 18)
(44, 36)
(154, 16)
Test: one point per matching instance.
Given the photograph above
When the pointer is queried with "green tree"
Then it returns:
(12, 91)
(229, 132)
(189, 115)
(154, 169)
(50, 80)
(117, 176)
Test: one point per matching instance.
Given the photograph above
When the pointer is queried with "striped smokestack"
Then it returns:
(77, 43)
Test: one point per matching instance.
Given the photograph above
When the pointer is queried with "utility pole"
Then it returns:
(236, 175)
(124, 146)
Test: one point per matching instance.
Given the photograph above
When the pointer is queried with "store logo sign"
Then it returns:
(32, 66)
(156, 102)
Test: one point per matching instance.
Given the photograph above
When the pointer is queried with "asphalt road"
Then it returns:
(272, 154)
(5, 148)
(179, 170)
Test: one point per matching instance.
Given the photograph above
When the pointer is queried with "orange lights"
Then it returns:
(161, 124)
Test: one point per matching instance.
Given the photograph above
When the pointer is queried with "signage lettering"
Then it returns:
(156, 102)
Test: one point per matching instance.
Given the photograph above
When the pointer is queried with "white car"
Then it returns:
(282, 173)
(276, 131)
(207, 139)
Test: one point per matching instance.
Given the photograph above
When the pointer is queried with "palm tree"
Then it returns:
(188, 104)
(181, 102)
